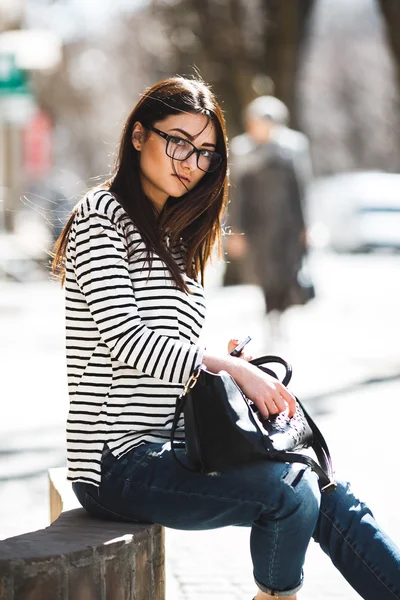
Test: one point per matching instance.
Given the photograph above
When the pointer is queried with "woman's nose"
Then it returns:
(191, 162)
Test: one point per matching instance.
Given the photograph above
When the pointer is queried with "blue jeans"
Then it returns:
(280, 502)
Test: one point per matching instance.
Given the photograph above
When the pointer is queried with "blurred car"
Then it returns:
(355, 212)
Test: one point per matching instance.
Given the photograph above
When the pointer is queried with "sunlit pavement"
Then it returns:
(346, 358)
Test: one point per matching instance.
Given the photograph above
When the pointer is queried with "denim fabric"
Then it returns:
(364, 554)
(279, 501)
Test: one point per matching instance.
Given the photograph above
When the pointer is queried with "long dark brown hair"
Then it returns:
(195, 217)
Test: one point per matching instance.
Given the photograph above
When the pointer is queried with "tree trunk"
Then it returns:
(286, 31)
(391, 14)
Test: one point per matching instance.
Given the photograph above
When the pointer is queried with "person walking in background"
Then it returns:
(270, 170)
(132, 256)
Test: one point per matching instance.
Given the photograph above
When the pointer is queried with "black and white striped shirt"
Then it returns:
(130, 337)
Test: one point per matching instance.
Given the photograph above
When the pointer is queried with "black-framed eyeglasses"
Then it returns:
(180, 149)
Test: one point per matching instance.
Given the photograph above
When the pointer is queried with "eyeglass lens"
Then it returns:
(181, 150)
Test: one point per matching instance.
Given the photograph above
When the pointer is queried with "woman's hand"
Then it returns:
(233, 342)
(268, 394)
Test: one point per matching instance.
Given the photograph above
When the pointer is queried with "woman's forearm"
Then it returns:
(236, 367)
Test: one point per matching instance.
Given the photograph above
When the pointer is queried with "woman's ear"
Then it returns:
(137, 136)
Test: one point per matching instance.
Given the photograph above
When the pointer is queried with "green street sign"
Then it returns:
(12, 79)
(17, 104)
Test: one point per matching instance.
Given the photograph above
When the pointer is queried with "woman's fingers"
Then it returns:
(263, 409)
(274, 399)
(270, 395)
(233, 342)
(289, 400)
(277, 399)
(267, 405)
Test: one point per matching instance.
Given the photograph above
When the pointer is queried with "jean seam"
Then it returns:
(108, 474)
(180, 492)
(273, 552)
(138, 465)
(359, 555)
(112, 512)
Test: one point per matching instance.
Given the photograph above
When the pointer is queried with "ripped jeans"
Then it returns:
(280, 502)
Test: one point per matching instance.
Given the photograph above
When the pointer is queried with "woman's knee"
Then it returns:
(340, 511)
(294, 490)
(304, 485)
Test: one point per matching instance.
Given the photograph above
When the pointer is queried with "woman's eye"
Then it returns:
(178, 141)
(205, 153)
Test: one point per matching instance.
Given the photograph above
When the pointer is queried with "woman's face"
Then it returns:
(161, 175)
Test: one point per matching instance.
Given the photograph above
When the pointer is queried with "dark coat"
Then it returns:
(269, 183)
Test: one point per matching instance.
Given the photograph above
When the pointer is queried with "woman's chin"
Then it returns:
(178, 193)
(179, 188)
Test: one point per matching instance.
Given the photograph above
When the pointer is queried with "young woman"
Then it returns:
(133, 256)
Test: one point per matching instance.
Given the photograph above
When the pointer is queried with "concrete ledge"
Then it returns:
(82, 558)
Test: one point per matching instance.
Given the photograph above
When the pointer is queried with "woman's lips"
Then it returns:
(181, 178)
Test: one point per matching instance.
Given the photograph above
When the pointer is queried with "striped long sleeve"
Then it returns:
(102, 272)
(131, 337)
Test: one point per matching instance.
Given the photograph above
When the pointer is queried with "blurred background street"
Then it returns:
(70, 73)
